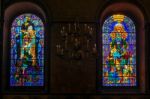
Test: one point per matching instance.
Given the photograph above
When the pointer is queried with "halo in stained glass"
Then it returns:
(119, 51)
(27, 51)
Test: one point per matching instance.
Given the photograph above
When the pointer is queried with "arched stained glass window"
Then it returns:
(27, 51)
(119, 51)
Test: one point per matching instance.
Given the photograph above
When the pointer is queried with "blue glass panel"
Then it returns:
(119, 51)
(27, 51)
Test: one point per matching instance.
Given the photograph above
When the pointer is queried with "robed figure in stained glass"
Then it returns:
(27, 51)
(118, 52)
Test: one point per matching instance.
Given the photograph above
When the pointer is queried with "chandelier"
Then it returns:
(77, 41)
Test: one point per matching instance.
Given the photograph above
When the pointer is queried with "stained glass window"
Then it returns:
(27, 51)
(119, 51)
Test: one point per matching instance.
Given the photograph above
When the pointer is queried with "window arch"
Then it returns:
(27, 51)
(119, 51)
(132, 13)
(26, 78)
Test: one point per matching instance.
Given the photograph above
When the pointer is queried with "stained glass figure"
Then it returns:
(119, 51)
(27, 51)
